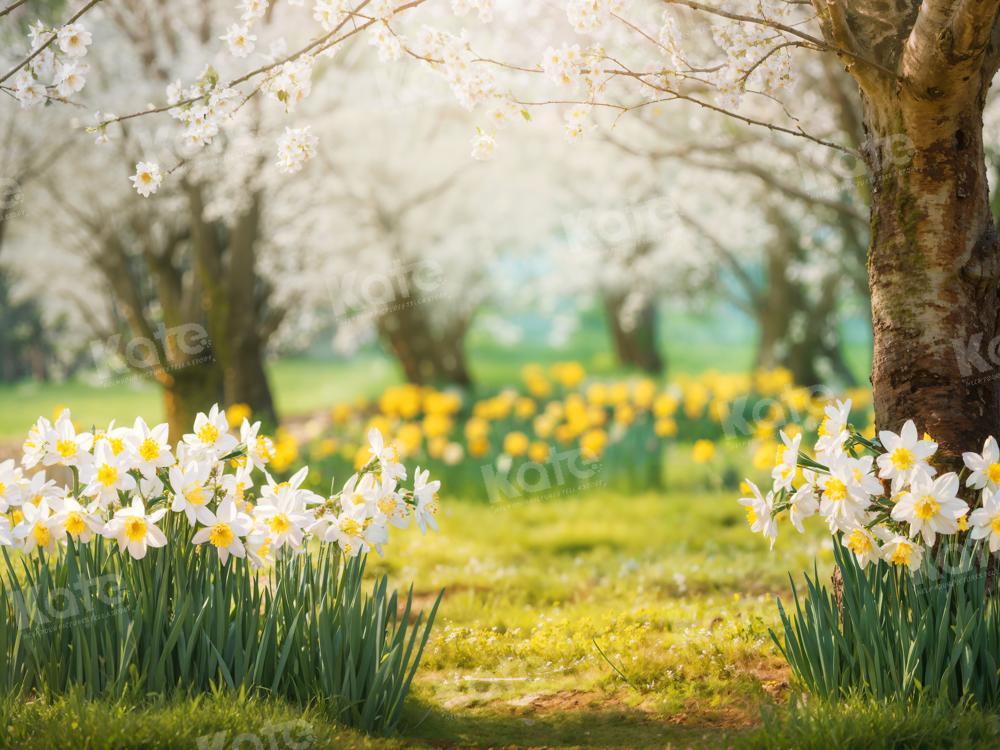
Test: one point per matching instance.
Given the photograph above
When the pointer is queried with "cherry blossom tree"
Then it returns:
(923, 73)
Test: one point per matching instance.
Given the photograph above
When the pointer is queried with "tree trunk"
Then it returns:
(187, 391)
(426, 357)
(245, 381)
(636, 346)
(934, 270)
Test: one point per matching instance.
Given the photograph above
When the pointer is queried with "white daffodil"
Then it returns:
(760, 513)
(38, 528)
(386, 455)
(360, 491)
(6, 537)
(280, 493)
(425, 495)
(106, 475)
(135, 530)
(900, 550)
(906, 455)
(235, 485)
(833, 430)
(847, 491)
(863, 544)
(986, 520)
(783, 473)
(149, 447)
(10, 485)
(225, 530)
(985, 466)
(37, 488)
(192, 492)
(34, 446)
(150, 487)
(64, 446)
(258, 547)
(260, 449)
(285, 521)
(931, 506)
(80, 522)
(803, 503)
(390, 508)
(348, 531)
(211, 434)
(114, 436)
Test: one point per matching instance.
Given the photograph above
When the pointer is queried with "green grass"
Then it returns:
(681, 608)
(673, 589)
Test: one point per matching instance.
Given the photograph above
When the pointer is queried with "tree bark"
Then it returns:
(187, 391)
(636, 346)
(934, 271)
(234, 301)
(426, 356)
(924, 70)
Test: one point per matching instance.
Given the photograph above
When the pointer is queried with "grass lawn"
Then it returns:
(681, 608)
(672, 588)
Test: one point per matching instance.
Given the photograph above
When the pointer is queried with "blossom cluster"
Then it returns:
(131, 486)
(882, 498)
(295, 147)
(754, 53)
(590, 16)
(56, 67)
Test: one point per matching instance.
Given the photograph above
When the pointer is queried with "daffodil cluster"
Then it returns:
(130, 485)
(882, 498)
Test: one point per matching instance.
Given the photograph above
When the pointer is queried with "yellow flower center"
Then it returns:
(135, 529)
(901, 555)
(350, 527)
(208, 433)
(66, 448)
(993, 472)
(3, 488)
(824, 427)
(926, 508)
(835, 490)
(42, 535)
(902, 459)
(751, 515)
(995, 524)
(107, 475)
(117, 446)
(279, 524)
(859, 543)
(149, 450)
(387, 505)
(195, 495)
(221, 535)
(74, 524)
(262, 448)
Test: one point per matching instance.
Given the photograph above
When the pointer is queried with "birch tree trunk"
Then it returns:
(924, 70)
